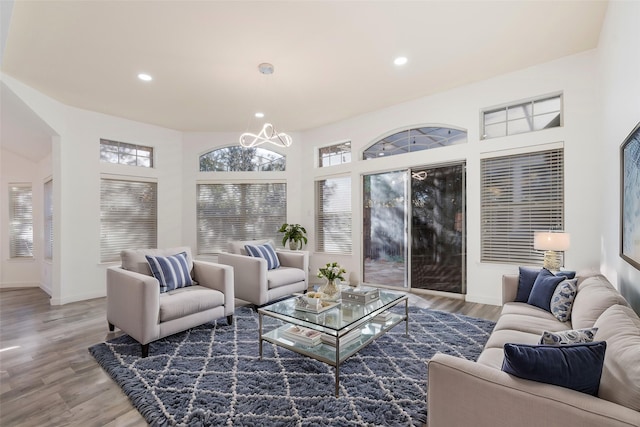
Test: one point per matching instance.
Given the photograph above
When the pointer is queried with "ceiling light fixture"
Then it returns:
(268, 132)
(400, 60)
(259, 115)
(145, 77)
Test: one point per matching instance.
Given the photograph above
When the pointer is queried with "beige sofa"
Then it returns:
(466, 393)
(136, 306)
(258, 285)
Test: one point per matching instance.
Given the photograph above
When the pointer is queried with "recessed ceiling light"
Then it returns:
(145, 77)
(259, 115)
(400, 60)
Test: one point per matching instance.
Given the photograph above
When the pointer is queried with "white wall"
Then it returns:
(20, 272)
(575, 76)
(619, 59)
(595, 123)
(76, 272)
(196, 144)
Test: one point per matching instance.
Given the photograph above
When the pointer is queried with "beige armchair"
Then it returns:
(258, 285)
(136, 306)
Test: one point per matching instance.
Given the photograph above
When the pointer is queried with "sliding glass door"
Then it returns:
(438, 244)
(414, 228)
(385, 228)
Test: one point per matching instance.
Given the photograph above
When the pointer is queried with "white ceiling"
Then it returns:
(333, 59)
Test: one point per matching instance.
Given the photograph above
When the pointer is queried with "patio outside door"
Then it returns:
(434, 201)
(438, 238)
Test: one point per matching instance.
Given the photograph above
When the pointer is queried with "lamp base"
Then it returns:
(551, 261)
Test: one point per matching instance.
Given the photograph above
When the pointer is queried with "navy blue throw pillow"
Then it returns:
(543, 289)
(525, 282)
(574, 366)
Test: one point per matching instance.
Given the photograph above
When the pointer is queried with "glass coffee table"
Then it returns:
(344, 328)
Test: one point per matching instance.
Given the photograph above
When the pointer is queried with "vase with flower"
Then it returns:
(332, 273)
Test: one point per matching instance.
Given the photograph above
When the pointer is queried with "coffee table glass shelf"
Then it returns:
(351, 326)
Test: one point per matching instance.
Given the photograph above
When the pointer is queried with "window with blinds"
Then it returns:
(333, 215)
(48, 219)
(520, 194)
(20, 221)
(128, 216)
(239, 212)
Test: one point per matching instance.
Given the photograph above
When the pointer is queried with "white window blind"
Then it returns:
(48, 219)
(128, 217)
(20, 221)
(333, 215)
(520, 194)
(239, 212)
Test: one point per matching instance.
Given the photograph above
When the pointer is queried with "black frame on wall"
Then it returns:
(630, 198)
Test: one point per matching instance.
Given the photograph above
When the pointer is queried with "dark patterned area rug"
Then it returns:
(212, 375)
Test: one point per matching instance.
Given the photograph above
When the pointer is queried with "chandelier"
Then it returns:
(268, 132)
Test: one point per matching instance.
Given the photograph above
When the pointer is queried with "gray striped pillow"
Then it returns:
(172, 271)
(264, 251)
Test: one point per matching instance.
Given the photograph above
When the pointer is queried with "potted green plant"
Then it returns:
(295, 234)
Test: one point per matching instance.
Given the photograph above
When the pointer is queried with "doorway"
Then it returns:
(414, 228)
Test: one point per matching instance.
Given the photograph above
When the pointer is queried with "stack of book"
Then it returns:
(382, 317)
(347, 338)
(302, 335)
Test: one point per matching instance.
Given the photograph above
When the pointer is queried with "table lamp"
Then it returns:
(551, 242)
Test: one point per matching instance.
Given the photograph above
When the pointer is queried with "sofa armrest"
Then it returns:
(218, 277)
(509, 287)
(133, 303)
(466, 393)
(250, 275)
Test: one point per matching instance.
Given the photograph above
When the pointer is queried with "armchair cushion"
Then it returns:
(172, 272)
(284, 276)
(265, 251)
(185, 301)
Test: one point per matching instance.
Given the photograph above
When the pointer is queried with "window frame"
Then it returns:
(120, 153)
(204, 248)
(340, 154)
(48, 219)
(321, 218)
(111, 236)
(512, 105)
(20, 205)
(259, 167)
(509, 214)
(389, 148)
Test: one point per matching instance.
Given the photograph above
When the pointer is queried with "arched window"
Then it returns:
(241, 159)
(415, 139)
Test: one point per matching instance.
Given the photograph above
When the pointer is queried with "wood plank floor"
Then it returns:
(48, 378)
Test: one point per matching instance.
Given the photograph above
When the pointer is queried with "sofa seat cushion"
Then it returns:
(492, 357)
(135, 259)
(530, 324)
(525, 309)
(284, 276)
(499, 338)
(619, 326)
(185, 301)
(595, 295)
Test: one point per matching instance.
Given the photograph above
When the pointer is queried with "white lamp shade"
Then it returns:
(551, 241)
